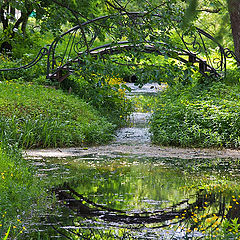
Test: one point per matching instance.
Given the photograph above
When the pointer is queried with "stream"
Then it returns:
(131, 189)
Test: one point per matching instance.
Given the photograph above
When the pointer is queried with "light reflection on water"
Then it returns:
(120, 196)
(147, 186)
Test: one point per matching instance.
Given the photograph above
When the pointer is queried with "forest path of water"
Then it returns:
(133, 188)
(135, 140)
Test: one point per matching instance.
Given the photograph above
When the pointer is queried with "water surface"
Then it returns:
(129, 197)
(126, 191)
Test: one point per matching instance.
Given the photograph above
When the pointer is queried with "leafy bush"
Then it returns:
(37, 116)
(198, 116)
(106, 94)
(22, 74)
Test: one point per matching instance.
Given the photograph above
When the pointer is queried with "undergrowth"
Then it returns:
(36, 116)
(198, 116)
(106, 93)
(20, 191)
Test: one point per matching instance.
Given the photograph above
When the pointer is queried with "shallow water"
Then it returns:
(137, 133)
(109, 193)
(152, 193)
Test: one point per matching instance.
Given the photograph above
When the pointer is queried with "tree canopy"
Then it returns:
(52, 15)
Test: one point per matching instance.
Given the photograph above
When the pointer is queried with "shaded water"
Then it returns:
(129, 196)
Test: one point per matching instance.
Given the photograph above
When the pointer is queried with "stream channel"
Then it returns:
(131, 189)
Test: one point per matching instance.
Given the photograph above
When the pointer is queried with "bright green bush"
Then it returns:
(37, 116)
(199, 116)
(23, 74)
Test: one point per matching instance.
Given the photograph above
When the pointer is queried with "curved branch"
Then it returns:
(75, 14)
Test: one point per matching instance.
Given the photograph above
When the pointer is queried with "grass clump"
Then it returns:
(36, 116)
(198, 116)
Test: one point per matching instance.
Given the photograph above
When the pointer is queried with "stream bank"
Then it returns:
(135, 139)
(141, 149)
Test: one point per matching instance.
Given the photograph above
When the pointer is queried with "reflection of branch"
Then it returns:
(86, 207)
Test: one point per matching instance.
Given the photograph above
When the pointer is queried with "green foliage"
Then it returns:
(198, 116)
(35, 73)
(105, 93)
(191, 12)
(20, 190)
(211, 16)
(24, 51)
(36, 116)
(144, 103)
(229, 229)
(232, 76)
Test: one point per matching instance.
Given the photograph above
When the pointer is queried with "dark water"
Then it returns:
(127, 197)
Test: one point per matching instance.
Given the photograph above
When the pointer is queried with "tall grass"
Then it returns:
(20, 191)
(36, 116)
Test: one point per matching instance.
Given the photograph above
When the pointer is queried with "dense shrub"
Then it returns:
(22, 74)
(199, 116)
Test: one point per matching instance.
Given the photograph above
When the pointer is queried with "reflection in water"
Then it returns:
(131, 198)
(127, 197)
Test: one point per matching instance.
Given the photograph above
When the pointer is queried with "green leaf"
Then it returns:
(6, 236)
(126, 87)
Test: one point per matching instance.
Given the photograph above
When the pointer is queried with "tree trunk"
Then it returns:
(4, 20)
(24, 25)
(234, 11)
(12, 13)
(22, 21)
